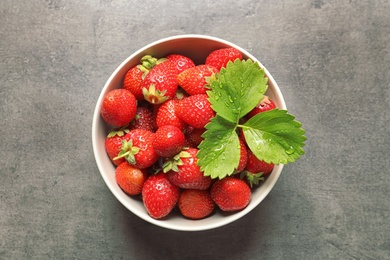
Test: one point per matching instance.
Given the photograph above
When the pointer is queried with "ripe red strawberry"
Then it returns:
(143, 119)
(134, 77)
(195, 110)
(243, 157)
(255, 165)
(181, 62)
(184, 171)
(219, 58)
(264, 105)
(195, 204)
(130, 179)
(119, 107)
(194, 135)
(230, 194)
(168, 141)
(113, 144)
(160, 84)
(193, 80)
(137, 149)
(159, 195)
(166, 115)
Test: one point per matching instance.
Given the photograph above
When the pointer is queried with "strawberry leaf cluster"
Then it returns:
(273, 136)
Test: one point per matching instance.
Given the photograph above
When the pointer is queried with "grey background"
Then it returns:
(331, 61)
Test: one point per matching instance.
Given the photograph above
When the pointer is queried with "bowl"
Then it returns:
(196, 47)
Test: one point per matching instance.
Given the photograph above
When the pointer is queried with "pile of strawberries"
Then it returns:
(158, 118)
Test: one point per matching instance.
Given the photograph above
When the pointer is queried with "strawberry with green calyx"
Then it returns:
(134, 77)
(143, 119)
(159, 195)
(195, 110)
(220, 57)
(137, 149)
(194, 80)
(264, 105)
(130, 179)
(113, 144)
(118, 107)
(166, 115)
(195, 204)
(171, 164)
(181, 62)
(274, 136)
(230, 194)
(253, 179)
(160, 84)
(168, 140)
(184, 172)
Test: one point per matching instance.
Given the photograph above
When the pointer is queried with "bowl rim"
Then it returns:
(271, 181)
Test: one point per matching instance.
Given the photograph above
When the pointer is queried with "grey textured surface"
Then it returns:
(331, 60)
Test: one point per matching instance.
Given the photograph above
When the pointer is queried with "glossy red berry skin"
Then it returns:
(196, 204)
(119, 107)
(193, 80)
(130, 179)
(168, 141)
(264, 105)
(142, 139)
(195, 110)
(166, 115)
(181, 62)
(159, 195)
(219, 58)
(189, 175)
(231, 194)
(255, 165)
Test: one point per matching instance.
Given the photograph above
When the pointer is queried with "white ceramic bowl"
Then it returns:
(197, 47)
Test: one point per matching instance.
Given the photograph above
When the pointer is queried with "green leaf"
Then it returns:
(275, 137)
(237, 89)
(219, 152)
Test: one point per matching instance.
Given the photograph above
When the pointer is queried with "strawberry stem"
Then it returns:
(128, 151)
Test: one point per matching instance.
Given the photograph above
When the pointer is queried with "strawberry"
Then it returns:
(160, 84)
(193, 80)
(184, 172)
(137, 148)
(194, 135)
(119, 107)
(181, 62)
(130, 179)
(159, 195)
(255, 165)
(195, 110)
(113, 144)
(166, 115)
(219, 58)
(264, 105)
(143, 119)
(243, 157)
(134, 76)
(230, 194)
(195, 204)
(168, 141)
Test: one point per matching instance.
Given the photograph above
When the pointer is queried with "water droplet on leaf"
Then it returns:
(290, 150)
